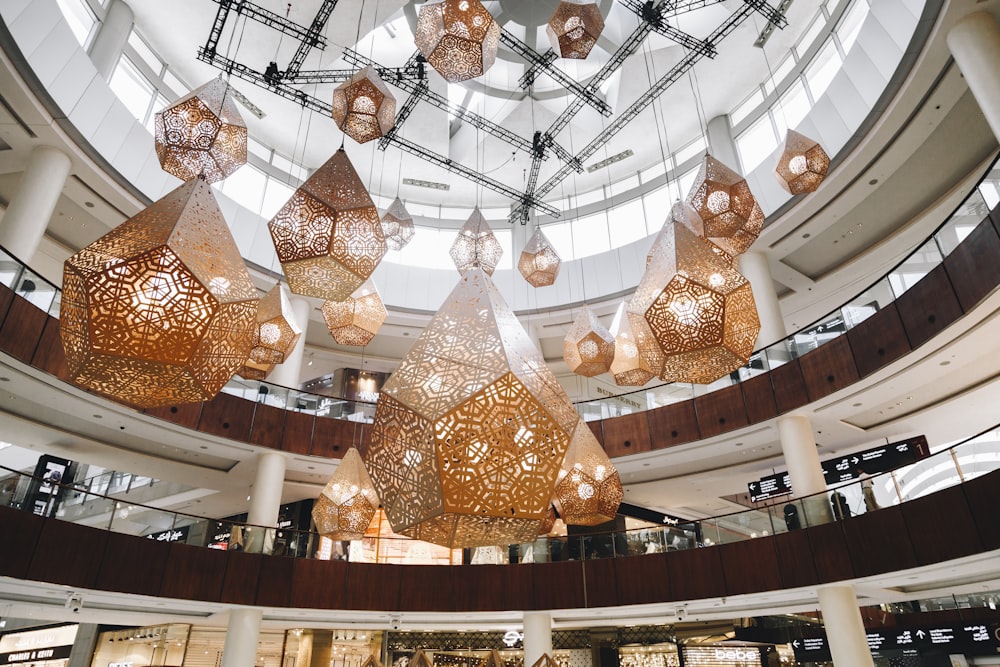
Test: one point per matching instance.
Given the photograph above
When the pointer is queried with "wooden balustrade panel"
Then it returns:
(789, 387)
(57, 541)
(941, 526)
(696, 573)
(558, 585)
(315, 584)
(831, 558)
(928, 307)
(628, 434)
(7, 296)
(20, 532)
(601, 582)
(643, 579)
(239, 585)
(227, 416)
(333, 437)
(758, 397)
(132, 565)
(974, 266)
(277, 582)
(49, 353)
(878, 341)
(828, 368)
(193, 573)
(794, 556)
(983, 497)
(267, 426)
(428, 587)
(673, 424)
(187, 415)
(297, 435)
(879, 542)
(720, 411)
(21, 329)
(375, 587)
(750, 566)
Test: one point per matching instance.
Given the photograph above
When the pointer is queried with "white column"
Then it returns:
(30, 209)
(755, 268)
(242, 633)
(804, 468)
(975, 43)
(265, 501)
(537, 636)
(288, 374)
(720, 142)
(845, 630)
(112, 37)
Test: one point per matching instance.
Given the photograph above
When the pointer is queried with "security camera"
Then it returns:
(681, 614)
(395, 622)
(74, 602)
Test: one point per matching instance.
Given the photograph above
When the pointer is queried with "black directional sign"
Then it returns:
(971, 638)
(769, 487)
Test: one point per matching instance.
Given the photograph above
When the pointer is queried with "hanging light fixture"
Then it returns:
(803, 164)
(347, 504)
(683, 213)
(397, 225)
(588, 348)
(202, 134)
(471, 428)
(476, 245)
(698, 307)
(160, 310)
(638, 358)
(589, 490)
(731, 216)
(539, 262)
(251, 370)
(276, 333)
(328, 235)
(575, 28)
(363, 107)
(549, 522)
(459, 38)
(357, 319)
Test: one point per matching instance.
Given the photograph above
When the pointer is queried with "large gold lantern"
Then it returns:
(252, 370)
(731, 216)
(588, 348)
(397, 225)
(589, 490)
(638, 358)
(575, 28)
(363, 107)
(476, 245)
(160, 310)
(698, 307)
(803, 164)
(539, 262)
(459, 38)
(347, 504)
(683, 213)
(356, 320)
(202, 134)
(277, 332)
(328, 235)
(472, 427)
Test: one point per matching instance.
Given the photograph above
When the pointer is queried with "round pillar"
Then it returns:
(265, 501)
(720, 142)
(804, 469)
(845, 630)
(975, 43)
(537, 636)
(288, 373)
(242, 633)
(27, 216)
(754, 267)
(112, 37)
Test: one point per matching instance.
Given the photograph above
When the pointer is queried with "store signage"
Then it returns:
(722, 656)
(172, 535)
(973, 638)
(772, 486)
(512, 637)
(119, 664)
(37, 645)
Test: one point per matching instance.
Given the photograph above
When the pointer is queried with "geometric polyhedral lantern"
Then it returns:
(730, 213)
(588, 348)
(357, 319)
(251, 370)
(160, 310)
(202, 134)
(363, 107)
(637, 356)
(277, 332)
(589, 490)
(476, 245)
(683, 213)
(459, 38)
(539, 263)
(471, 429)
(328, 236)
(803, 164)
(699, 308)
(574, 28)
(397, 225)
(348, 502)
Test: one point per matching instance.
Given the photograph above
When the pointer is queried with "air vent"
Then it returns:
(611, 160)
(426, 184)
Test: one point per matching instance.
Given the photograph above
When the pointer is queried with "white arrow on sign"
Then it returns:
(795, 643)
(856, 460)
(921, 634)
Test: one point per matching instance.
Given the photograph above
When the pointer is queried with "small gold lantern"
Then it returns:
(575, 28)
(589, 490)
(476, 246)
(803, 164)
(347, 504)
(252, 370)
(277, 332)
(357, 319)
(588, 348)
(539, 262)
(637, 356)
(363, 107)
(459, 38)
(397, 225)
(731, 216)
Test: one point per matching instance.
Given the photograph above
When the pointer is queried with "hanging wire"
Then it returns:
(770, 77)
(664, 140)
(699, 108)
(281, 35)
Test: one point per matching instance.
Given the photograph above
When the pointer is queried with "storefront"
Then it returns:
(47, 647)
(155, 646)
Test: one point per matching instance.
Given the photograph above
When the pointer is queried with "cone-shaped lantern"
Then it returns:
(699, 308)
(160, 310)
(588, 491)
(202, 134)
(397, 225)
(348, 502)
(539, 263)
(459, 38)
(637, 355)
(588, 348)
(803, 164)
(574, 28)
(251, 370)
(731, 216)
(363, 107)
(328, 235)
(476, 245)
(472, 427)
(277, 332)
(357, 319)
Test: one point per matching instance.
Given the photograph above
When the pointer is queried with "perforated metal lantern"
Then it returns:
(328, 235)
(357, 319)
(160, 310)
(397, 225)
(476, 246)
(637, 355)
(549, 522)
(202, 134)
(589, 490)
(575, 28)
(539, 262)
(731, 216)
(698, 307)
(803, 164)
(363, 107)
(251, 370)
(588, 348)
(277, 332)
(471, 428)
(459, 38)
(683, 213)
(346, 506)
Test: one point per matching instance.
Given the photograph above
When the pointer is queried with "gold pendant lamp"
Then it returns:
(588, 348)
(397, 225)
(476, 246)
(346, 506)
(251, 370)
(575, 28)
(731, 216)
(459, 38)
(637, 355)
(356, 320)
(803, 164)
(363, 107)
(539, 262)
(276, 333)
(589, 490)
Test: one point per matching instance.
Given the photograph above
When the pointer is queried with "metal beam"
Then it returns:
(404, 112)
(268, 18)
(655, 15)
(313, 38)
